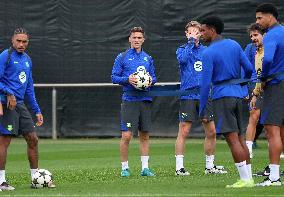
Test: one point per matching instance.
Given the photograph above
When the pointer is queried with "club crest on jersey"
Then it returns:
(23, 77)
(27, 64)
(141, 69)
(145, 59)
(198, 66)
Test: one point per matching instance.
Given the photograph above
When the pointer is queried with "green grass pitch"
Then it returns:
(91, 167)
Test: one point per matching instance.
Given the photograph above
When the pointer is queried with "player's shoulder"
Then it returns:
(233, 43)
(4, 56)
(182, 46)
(122, 54)
(250, 45)
(4, 53)
(146, 56)
(27, 56)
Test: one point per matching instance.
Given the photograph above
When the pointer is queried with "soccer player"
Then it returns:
(222, 61)
(254, 52)
(272, 113)
(16, 83)
(135, 110)
(189, 58)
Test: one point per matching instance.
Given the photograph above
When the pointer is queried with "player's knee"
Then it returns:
(184, 128)
(254, 116)
(232, 139)
(211, 134)
(254, 119)
(32, 140)
(143, 136)
(205, 121)
(126, 137)
(5, 141)
(271, 135)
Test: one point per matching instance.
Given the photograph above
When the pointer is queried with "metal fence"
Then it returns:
(54, 87)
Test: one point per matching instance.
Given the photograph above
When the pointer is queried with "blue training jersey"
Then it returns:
(223, 60)
(190, 65)
(16, 78)
(273, 60)
(127, 63)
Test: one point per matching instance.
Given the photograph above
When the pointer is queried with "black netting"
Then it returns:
(76, 42)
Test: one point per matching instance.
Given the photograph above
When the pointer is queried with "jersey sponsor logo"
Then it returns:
(23, 77)
(27, 64)
(198, 66)
(131, 58)
(141, 69)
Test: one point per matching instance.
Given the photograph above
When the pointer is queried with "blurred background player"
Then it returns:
(254, 52)
(135, 110)
(189, 59)
(272, 113)
(222, 61)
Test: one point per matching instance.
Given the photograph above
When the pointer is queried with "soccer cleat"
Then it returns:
(49, 185)
(282, 156)
(6, 186)
(268, 182)
(216, 170)
(147, 172)
(182, 172)
(125, 173)
(265, 172)
(242, 183)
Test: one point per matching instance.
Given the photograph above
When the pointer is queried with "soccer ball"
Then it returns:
(41, 178)
(144, 80)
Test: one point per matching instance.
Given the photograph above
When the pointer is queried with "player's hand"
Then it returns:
(150, 80)
(194, 33)
(132, 80)
(39, 120)
(252, 103)
(11, 102)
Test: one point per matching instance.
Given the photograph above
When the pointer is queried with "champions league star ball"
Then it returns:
(144, 80)
(41, 178)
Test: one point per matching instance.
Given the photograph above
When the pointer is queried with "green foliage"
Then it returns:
(91, 167)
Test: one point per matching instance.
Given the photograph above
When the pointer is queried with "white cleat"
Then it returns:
(268, 182)
(182, 172)
(216, 170)
(6, 186)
